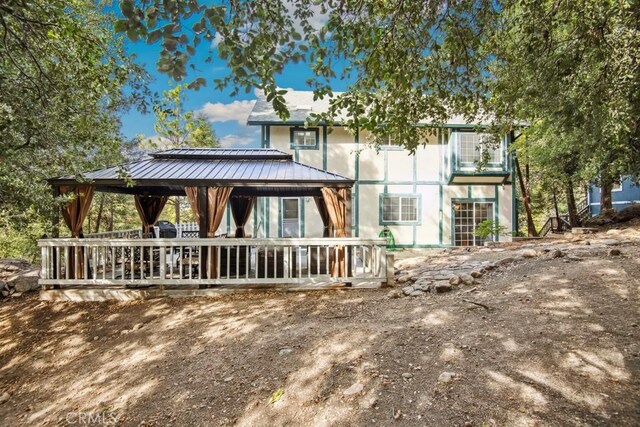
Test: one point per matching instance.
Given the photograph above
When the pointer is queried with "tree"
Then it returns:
(572, 70)
(62, 80)
(569, 68)
(177, 128)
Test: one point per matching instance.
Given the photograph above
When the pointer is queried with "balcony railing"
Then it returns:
(94, 263)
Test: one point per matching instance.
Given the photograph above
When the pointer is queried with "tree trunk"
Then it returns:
(111, 208)
(177, 210)
(574, 220)
(531, 228)
(99, 215)
(555, 204)
(606, 201)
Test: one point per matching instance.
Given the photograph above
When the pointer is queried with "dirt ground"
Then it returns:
(558, 346)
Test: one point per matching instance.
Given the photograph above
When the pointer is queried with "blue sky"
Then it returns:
(227, 114)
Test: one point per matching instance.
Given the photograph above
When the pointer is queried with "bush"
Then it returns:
(488, 228)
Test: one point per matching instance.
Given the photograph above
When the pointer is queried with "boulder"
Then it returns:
(404, 278)
(407, 290)
(11, 266)
(446, 377)
(467, 279)
(354, 389)
(555, 254)
(394, 294)
(442, 287)
(417, 293)
(476, 274)
(615, 252)
(455, 281)
(25, 281)
(528, 253)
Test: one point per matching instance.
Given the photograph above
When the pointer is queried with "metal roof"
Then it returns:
(300, 104)
(211, 167)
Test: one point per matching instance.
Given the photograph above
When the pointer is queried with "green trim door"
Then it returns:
(466, 217)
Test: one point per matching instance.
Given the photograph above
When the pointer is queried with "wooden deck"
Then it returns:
(151, 267)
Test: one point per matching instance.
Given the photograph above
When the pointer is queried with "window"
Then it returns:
(304, 138)
(389, 142)
(617, 185)
(467, 216)
(472, 146)
(399, 208)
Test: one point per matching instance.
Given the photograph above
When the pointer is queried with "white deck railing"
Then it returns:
(175, 262)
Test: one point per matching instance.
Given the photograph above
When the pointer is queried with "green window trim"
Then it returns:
(293, 145)
(460, 166)
(417, 196)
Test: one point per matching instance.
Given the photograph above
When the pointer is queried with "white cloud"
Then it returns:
(216, 40)
(219, 112)
(231, 141)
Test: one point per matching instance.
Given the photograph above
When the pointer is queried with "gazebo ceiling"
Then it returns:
(256, 172)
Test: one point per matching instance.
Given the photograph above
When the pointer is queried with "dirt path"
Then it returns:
(559, 346)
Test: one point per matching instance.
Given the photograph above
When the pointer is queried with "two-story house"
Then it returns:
(434, 198)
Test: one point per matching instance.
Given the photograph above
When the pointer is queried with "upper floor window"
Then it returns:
(473, 146)
(389, 142)
(617, 185)
(304, 138)
(399, 208)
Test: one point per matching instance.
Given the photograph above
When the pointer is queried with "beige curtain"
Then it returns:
(324, 215)
(149, 209)
(217, 198)
(241, 207)
(74, 214)
(334, 200)
(76, 210)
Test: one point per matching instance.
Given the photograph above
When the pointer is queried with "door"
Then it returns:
(290, 217)
(467, 216)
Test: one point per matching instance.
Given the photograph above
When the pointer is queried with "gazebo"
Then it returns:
(210, 179)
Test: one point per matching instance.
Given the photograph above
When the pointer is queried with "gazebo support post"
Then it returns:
(203, 219)
(348, 230)
(55, 230)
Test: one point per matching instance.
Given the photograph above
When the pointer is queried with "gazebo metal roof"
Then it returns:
(260, 172)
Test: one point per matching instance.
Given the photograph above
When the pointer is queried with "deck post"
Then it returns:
(203, 214)
(389, 269)
(349, 256)
(55, 231)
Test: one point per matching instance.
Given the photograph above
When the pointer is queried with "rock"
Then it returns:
(446, 377)
(5, 293)
(407, 290)
(606, 216)
(368, 403)
(614, 231)
(417, 293)
(476, 274)
(442, 287)
(25, 281)
(574, 258)
(610, 242)
(505, 261)
(555, 254)
(455, 281)
(405, 278)
(490, 266)
(467, 279)
(354, 389)
(407, 375)
(228, 379)
(394, 294)
(615, 252)
(285, 351)
(4, 397)
(10, 266)
(528, 253)
(136, 326)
